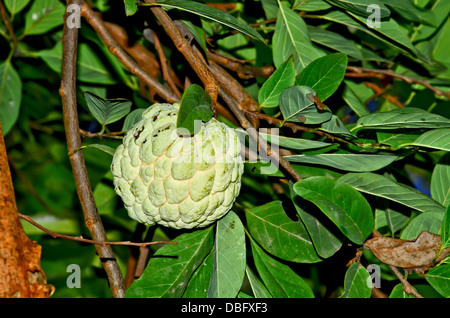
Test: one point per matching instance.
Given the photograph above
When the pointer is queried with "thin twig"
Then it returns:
(407, 287)
(84, 240)
(163, 62)
(79, 170)
(8, 26)
(368, 72)
(88, 134)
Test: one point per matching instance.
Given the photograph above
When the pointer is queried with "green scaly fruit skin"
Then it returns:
(174, 181)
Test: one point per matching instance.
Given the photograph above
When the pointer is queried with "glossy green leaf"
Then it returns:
(336, 127)
(168, 271)
(347, 162)
(295, 99)
(105, 148)
(273, 229)
(199, 282)
(335, 41)
(294, 143)
(282, 78)
(357, 282)
(259, 290)
(211, 13)
(132, 118)
(401, 118)
(327, 239)
(444, 231)
(399, 292)
(15, 6)
(43, 16)
(10, 96)
(362, 7)
(430, 222)
(440, 181)
(325, 74)
(228, 258)
(291, 38)
(342, 204)
(311, 115)
(107, 111)
(438, 139)
(397, 139)
(353, 95)
(130, 7)
(90, 68)
(439, 278)
(280, 279)
(384, 187)
(195, 106)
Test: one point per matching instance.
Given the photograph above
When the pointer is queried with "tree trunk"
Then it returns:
(20, 272)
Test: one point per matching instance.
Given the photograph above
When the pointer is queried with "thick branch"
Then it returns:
(84, 190)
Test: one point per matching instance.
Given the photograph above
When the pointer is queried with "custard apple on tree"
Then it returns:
(175, 181)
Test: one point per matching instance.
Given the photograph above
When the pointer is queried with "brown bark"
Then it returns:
(20, 272)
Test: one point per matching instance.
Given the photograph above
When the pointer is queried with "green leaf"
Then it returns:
(132, 118)
(199, 282)
(168, 271)
(259, 290)
(444, 231)
(347, 162)
(335, 41)
(109, 150)
(440, 181)
(294, 143)
(438, 139)
(357, 282)
(107, 111)
(401, 118)
(439, 278)
(130, 7)
(430, 222)
(229, 258)
(270, 226)
(389, 32)
(291, 38)
(295, 99)
(361, 7)
(336, 127)
(327, 239)
(280, 279)
(325, 74)
(15, 6)
(282, 78)
(342, 204)
(195, 105)
(90, 68)
(10, 96)
(384, 187)
(210, 13)
(399, 292)
(397, 139)
(311, 115)
(353, 95)
(43, 16)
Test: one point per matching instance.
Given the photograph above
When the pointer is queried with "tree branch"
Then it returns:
(71, 124)
(98, 25)
(84, 240)
(362, 72)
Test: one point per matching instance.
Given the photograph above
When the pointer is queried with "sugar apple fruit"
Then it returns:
(178, 182)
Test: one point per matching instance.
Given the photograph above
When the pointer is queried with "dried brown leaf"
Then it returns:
(408, 254)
